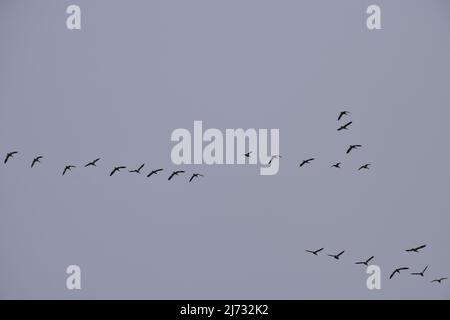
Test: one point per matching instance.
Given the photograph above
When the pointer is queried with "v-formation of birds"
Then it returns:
(396, 271)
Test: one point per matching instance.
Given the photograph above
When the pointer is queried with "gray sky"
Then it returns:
(140, 69)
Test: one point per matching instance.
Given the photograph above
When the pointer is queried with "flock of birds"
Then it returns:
(397, 270)
(351, 147)
(67, 168)
(337, 165)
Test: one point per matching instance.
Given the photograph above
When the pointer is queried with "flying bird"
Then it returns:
(117, 169)
(439, 280)
(337, 165)
(36, 160)
(366, 263)
(397, 271)
(138, 170)
(68, 168)
(345, 126)
(175, 173)
(353, 146)
(274, 157)
(366, 166)
(314, 252)
(336, 256)
(247, 155)
(416, 249)
(195, 175)
(154, 172)
(92, 163)
(10, 155)
(420, 273)
(343, 113)
(306, 162)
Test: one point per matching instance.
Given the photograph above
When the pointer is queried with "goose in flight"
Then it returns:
(154, 172)
(195, 175)
(345, 126)
(416, 249)
(274, 157)
(343, 113)
(337, 165)
(366, 263)
(138, 170)
(307, 161)
(314, 252)
(420, 273)
(366, 166)
(175, 173)
(353, 146)
(397, 271)
(92, 163)
(68, 168)
(36, 160)
(439, 280)
(116, 169)
(336, 256)
(10, 155)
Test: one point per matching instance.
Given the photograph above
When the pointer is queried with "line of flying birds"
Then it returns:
(396, 270)
(115, 170)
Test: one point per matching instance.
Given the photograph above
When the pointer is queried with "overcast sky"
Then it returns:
(137, 70)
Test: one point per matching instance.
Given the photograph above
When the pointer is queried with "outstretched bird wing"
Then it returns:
(393, 273)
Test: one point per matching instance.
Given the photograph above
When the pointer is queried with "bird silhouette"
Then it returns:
(397, 271)
(336, 256)
(416, 250)
(195, 175)
(345, 126)
(314, 252)
(274, 157)
(138, 170)
(307, 161)
(36, 160)
(92, 163)
(247, 155)
(366, 263)
(420, 273)
(68, 168)
(353, 146)
(337, 165)
(366, 166)
(439, 280)
(175, 173)
(343, 113)
(154, 172)
(116, 169)
(10, 155)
